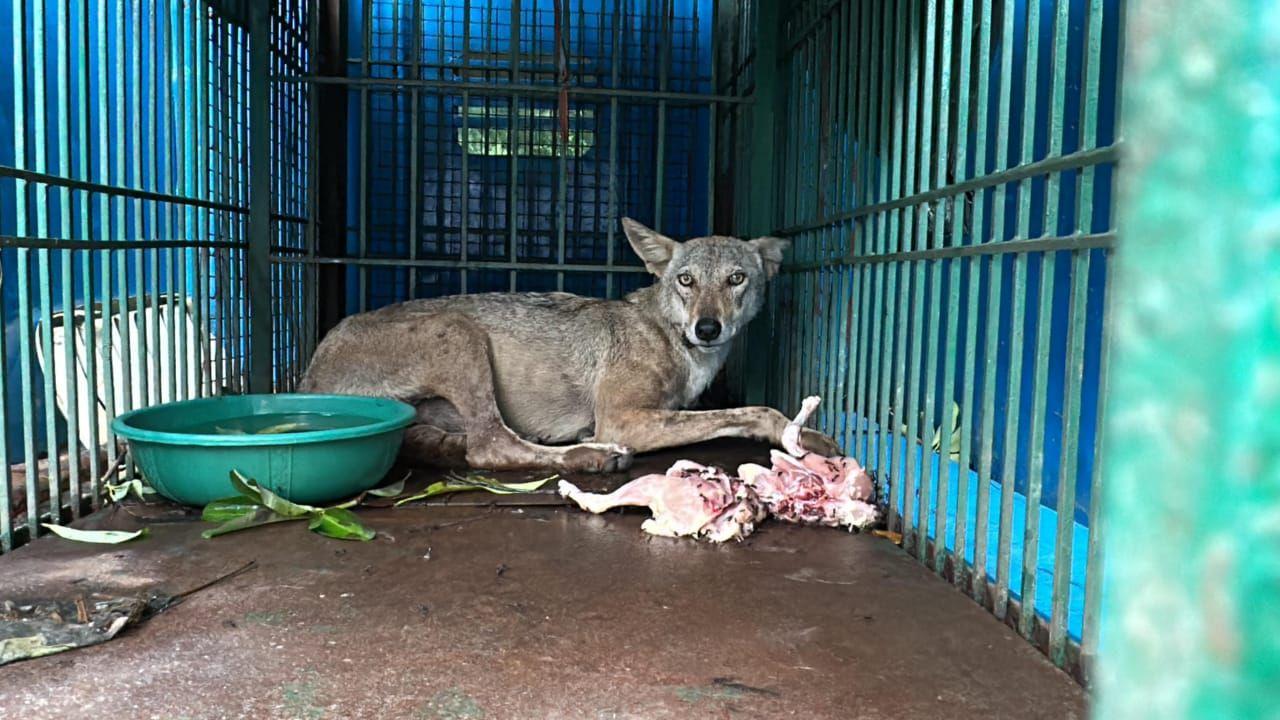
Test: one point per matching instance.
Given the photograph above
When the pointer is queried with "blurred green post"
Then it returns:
(1191, 616)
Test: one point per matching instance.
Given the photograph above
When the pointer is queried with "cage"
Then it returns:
(195, 191)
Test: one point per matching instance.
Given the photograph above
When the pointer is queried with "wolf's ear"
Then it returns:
(771, 250)
(653, 247)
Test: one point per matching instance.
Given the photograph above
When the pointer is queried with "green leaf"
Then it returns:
(272, 501)
(101, 537)
(458, 483)
(244, 485)
(121, 490)
(391, 490)
(227, 509)
(261, 517)
(339, 523)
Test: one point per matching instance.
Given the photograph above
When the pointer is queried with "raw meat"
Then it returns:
(700, 501)
(690, 499)
(805, 487)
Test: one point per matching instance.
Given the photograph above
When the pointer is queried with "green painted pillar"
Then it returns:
(258, 257)
(1191, 613)
(761, 195)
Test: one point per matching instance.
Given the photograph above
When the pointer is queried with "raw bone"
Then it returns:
(699, 501)
(690, 499)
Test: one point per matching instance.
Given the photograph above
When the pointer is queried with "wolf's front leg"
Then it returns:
(645, 430)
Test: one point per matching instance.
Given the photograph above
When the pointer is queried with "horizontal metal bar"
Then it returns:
(458, 264)
(517, 89)
(119, 191)
(1106, 240)
(113, 190)
(1073, 161)
(112, 245)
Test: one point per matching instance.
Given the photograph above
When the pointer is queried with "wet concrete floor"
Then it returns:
(526, 611)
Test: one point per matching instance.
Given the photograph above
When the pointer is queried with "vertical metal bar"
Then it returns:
(959, 207)
(1013, 402)
(935, 352)
(365, 128)
(1044, 324)
(172, 225)
(906, 413)
(137, 320)
(890, 187)
(86, 277)
(994, 282)
(513, 130)
(664, 60)
(258, 265)
(870, 21)
(156, 100)
(105, 225)
(1084, 223)
(561, 10)
(70, 380)
(612, 214)
(415, 72)
(21, 267)
(712, 126)
(918, 429)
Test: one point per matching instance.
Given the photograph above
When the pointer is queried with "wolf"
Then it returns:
(508, 381)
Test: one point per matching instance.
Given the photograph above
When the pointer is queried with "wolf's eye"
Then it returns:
(737, 278)
(685, 279)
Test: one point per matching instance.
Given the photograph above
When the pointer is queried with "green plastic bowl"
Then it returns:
(311, 449)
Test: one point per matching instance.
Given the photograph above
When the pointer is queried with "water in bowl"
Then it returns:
(277, 424)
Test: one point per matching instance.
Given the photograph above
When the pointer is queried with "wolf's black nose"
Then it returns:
(707, 329)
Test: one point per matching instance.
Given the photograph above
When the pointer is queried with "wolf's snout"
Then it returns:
(707, 329)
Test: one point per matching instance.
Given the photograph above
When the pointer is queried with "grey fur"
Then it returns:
(501, 379)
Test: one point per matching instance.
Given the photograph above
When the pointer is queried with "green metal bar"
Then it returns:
(888, 281)
(1013, 402)
(953, 356)
(1044, 320)
(856, 400)
(968, 404)
(1084, 222)
(43, 275)
(871, 18)
(86, 279)
(944, 353)
(905, 385)
(925, 320)
(995, 281)
(172, 215)
(1080, 159)
(137, 324)
(105, 224)
(62, 97)
(22, 266)
(156, 101)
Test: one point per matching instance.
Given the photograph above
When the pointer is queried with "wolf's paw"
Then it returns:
(597, 457)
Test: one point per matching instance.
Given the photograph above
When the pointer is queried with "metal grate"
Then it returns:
(122, 217)
(493, 145)
(945, 172)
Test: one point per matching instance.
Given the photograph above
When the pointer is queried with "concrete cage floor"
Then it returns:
(469, 609)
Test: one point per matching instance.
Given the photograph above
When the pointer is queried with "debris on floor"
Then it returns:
(45, 627)
(693, 500)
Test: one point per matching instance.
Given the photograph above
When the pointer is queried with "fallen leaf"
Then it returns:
(339, 523)
(101, 537)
